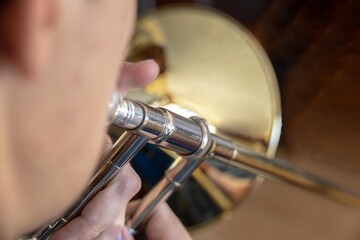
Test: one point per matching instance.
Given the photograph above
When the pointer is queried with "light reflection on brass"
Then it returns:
(212, 67)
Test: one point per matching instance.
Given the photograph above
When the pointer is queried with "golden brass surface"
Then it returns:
(213, 67)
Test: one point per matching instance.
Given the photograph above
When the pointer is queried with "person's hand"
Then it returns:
(104, 216)
(161, 224)
(137, 74)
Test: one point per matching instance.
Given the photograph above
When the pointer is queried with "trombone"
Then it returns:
(192, 138)
(193, 141)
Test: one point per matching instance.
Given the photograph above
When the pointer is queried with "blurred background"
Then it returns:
(314, 47)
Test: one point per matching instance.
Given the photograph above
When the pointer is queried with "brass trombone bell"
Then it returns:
(213, 67)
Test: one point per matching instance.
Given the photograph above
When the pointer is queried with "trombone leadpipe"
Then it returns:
(188, 137)
(191, 138)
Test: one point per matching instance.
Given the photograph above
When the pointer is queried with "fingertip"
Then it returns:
(113, 231)
(126, 184)
(125, 234)
(137, 74)
(151, 66)
(146, 71)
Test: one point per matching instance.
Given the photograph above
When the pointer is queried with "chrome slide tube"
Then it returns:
(228, 152)
(231, 153)
(162, 127)
(175, 175)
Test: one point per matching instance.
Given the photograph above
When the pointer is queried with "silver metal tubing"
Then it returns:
(121, 153)
(165, 129)
(177, 173)
(231, 153)
(191, 139)
(187, 139)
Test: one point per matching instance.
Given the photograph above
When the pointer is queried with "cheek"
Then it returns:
(110, 26)
(56, 153)
(104, 42)
(59, 120)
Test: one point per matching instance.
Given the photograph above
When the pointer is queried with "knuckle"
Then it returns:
(133, 182)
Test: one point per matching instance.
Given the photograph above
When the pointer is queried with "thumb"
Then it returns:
(137, 74)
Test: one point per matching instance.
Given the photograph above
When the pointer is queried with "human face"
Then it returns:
(58, 112)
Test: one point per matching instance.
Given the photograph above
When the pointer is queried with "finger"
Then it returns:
(111, 233)
(132, 206)
(125, 234)
(137, 74)
(77, 229)
(104, 209)
(80, 229)
(162, 223)
(106, 146)
(114, 232)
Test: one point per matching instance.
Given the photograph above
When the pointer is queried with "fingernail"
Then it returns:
(118, 237)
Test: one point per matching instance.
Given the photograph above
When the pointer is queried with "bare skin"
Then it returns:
(59, 62)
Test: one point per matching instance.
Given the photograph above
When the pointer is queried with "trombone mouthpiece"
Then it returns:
(113, 104)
